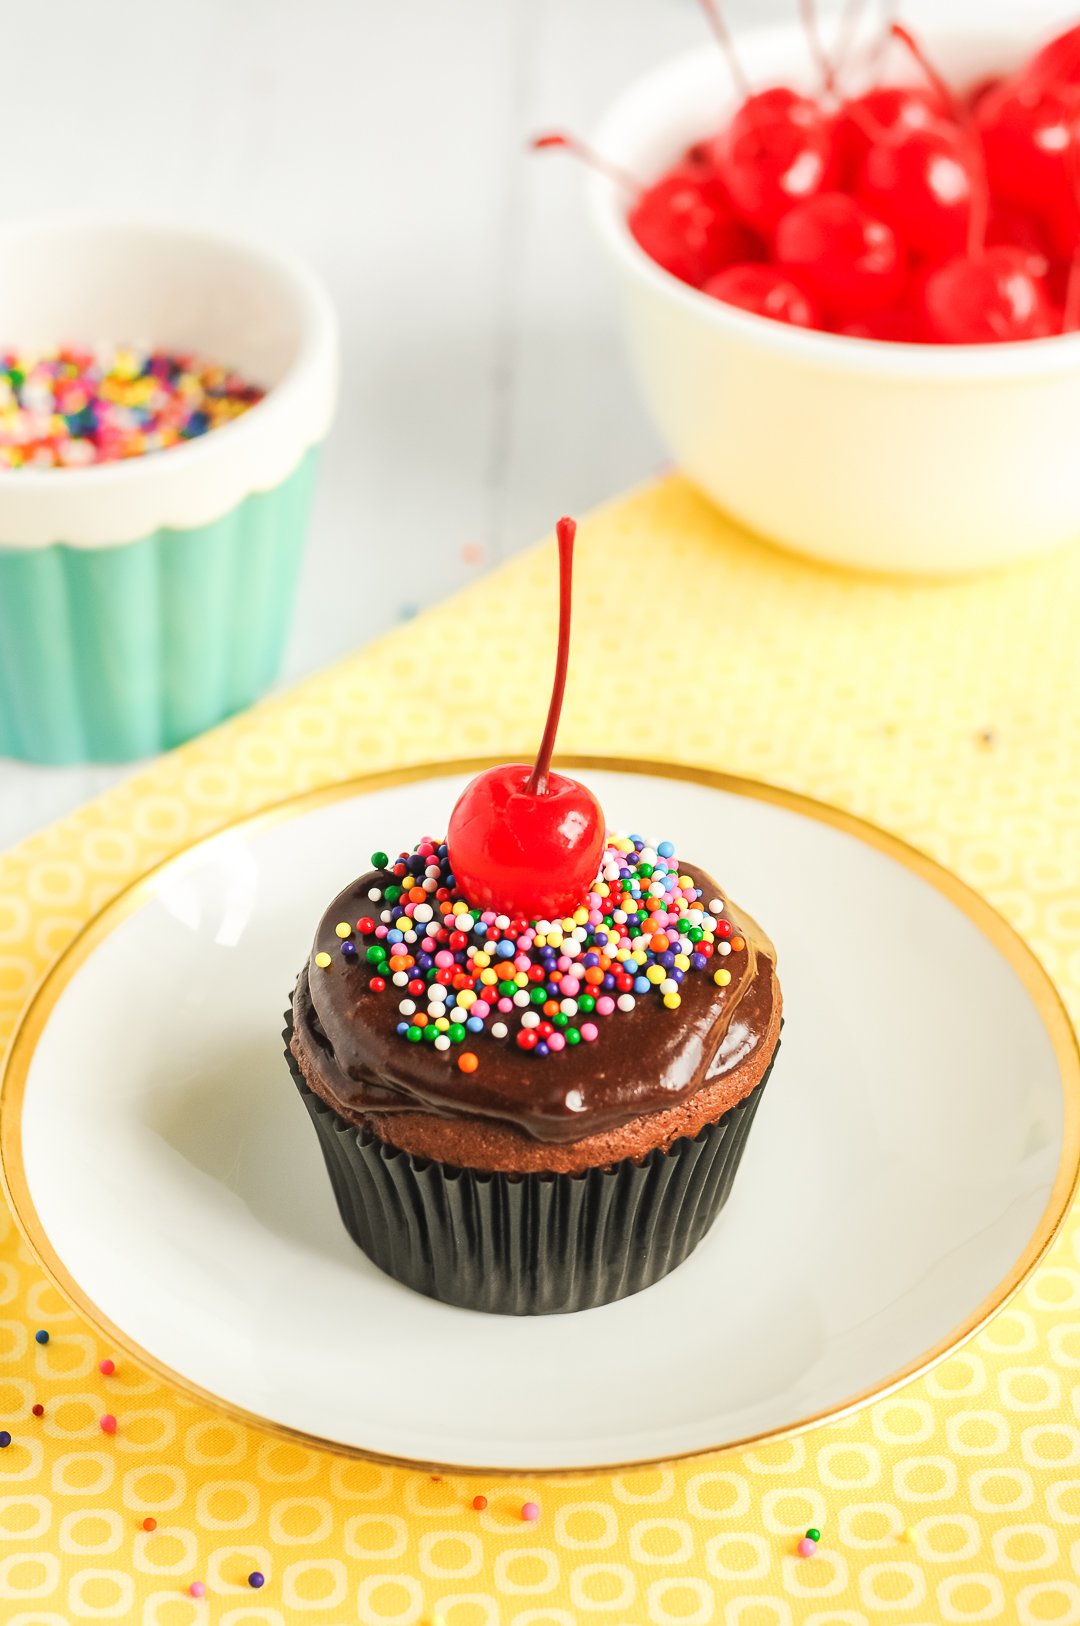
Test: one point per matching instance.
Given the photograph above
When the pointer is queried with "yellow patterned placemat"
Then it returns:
(949, 713)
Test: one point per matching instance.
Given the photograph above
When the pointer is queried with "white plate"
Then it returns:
(913, 1155)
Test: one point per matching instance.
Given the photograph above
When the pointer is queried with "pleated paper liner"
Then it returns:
(530, 1244)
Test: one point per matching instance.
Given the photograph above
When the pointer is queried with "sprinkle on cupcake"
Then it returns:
(541, 985)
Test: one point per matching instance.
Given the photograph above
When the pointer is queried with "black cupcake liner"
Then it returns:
(529, 1244)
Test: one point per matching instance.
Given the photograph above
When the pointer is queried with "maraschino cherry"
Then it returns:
(1029, 130)
(778, 147)
(924, 177)
(684, 221)
(776, 151)
(847, 258)
(763, 290)
(1009, 227)
(903, 324)
(1070, 316)
(987, 298)
(994, 293)
(983, 294)
(1057, 63)
(527, 841)
(921, 182)
(878, 114)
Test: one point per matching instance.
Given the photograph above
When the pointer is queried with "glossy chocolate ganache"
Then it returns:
(650, 1074)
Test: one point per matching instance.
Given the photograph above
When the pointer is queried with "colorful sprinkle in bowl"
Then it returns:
(145, 600)
(923, 459)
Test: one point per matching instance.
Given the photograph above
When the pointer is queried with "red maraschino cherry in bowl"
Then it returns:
(864, 446)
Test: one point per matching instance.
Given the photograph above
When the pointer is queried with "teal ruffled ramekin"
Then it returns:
(107, 654)
(143, 602)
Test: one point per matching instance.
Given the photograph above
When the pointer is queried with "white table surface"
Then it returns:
(485, 389)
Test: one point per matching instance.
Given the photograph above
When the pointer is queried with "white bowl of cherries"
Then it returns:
(850, 292)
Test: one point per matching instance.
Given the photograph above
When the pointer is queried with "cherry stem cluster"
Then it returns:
(726, 43)
(822, 61)
(808, 10)
(979, 221)
(565, 532)
(846, 30)
(936, 80)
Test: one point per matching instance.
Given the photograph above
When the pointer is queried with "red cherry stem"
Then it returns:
(979, 221)
(889, 9)
(808, 13)
(936, 80)
(565, 531)
(846, 31)
(594, 160)
(715, 16)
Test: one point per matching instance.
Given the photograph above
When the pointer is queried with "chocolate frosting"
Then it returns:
(644, 1060)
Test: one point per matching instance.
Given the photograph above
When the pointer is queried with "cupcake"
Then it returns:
(533, 1051)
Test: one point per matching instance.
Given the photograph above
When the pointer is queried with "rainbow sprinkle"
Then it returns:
(78, 405)
(540, 984)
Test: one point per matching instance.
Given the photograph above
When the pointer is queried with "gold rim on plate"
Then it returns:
(984, 917)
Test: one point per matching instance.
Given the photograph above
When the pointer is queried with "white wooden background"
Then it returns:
(485, 390)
